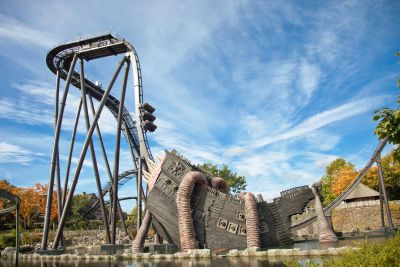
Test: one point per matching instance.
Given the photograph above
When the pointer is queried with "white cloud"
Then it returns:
(15, 31)
(309, 77)
(10, 153)
(322, 140)
(35, 106)
(323, 119)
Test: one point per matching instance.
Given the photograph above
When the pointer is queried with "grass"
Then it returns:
(370, 254)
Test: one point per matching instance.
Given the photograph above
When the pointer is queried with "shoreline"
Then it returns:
(191, 254)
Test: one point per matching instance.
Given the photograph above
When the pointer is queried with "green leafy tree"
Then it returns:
(79, 204)
(132, 217)
(236, 183)
(332, 170)
(389, 124)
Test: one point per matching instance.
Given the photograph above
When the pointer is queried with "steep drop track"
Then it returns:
(59, 60)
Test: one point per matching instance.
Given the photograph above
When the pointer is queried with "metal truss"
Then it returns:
(62, 61)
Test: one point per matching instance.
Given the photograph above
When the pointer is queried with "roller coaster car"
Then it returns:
(218, 218)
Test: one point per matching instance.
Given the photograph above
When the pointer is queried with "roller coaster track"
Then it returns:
(11, 197)
(328, 209)
(122, 179)
(59, 60)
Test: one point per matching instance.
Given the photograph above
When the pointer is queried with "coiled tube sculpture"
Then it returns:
(219, 184)
(252, 222)
(186, 229)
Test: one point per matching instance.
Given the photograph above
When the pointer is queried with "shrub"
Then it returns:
(7, 240)
(370, 254)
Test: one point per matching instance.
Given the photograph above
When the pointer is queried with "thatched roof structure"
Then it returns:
(362, 191)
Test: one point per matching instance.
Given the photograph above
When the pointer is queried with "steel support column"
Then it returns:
(58, 181)
(139, 195)
(116, 155)
(82, 156)
(93, 154)
(49, 199)
(123, 223)
(71, 150)
(16, 234)
(107, 166)
(382, 213)
(385, 199)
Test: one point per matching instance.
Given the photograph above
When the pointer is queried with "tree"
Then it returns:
(235, 182)
(391, 176)
(343, 178)
(332, 173)
(133, 217)
(33, 201)
(389, 124)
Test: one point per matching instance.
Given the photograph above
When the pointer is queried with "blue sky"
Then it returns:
(274, 89)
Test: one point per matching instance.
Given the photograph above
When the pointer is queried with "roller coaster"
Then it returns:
(62, 60)
(14, 203)
(269, 222)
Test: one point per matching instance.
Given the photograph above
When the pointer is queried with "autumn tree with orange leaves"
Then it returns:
(33, 202)
(337, 173)
(340, 173)
(343, 178)
(391, 176)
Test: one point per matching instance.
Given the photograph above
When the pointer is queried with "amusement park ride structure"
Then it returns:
(62, 60)
(15, 205)
(177, 190)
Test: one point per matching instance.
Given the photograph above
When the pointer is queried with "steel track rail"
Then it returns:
(59, 59)
(107, 188)
(11, 197)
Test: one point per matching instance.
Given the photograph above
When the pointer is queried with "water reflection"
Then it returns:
(219, 261)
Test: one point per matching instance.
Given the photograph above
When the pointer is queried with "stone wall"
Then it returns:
(362, 216)
(349, 217)
(89, 238)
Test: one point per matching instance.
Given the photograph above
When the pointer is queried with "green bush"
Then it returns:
(7, 240)
(30, 238)
(370, 254)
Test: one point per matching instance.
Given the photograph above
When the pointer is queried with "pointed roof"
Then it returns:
(362, 191)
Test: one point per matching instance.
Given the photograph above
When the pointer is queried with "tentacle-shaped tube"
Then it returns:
(137, 245)
(325, 234)
(186, 229)
(252, 222)
(219, 184)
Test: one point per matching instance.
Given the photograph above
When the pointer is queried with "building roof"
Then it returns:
(362, 191)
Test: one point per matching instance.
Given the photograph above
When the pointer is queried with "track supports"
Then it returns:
(383, 195)
(82, 157)
(62, 60)
(49, 199)
(93, 154)
(139, 195)
(114, 200)
(71, 150)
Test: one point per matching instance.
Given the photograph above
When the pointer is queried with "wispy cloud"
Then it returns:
(35, 106)
(10, 153)
(15, 31)
(324, 118)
